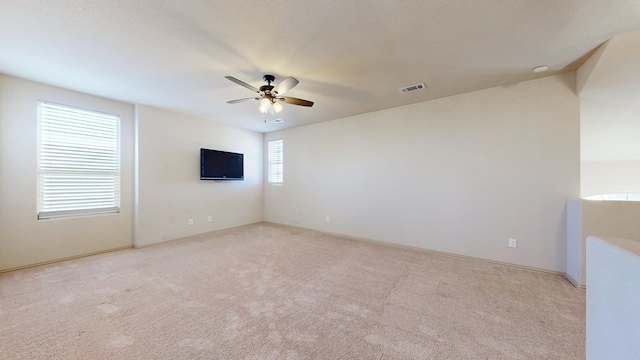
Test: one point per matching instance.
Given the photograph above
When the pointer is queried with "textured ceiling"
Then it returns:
(351, 57)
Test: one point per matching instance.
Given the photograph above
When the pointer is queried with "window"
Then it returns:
(78, 161)
(276, 162)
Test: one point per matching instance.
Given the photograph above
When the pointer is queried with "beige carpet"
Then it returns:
(273, 292)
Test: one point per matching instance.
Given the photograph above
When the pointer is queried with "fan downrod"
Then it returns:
(268, 78)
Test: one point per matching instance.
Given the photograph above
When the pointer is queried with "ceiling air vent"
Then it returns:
(412, 88)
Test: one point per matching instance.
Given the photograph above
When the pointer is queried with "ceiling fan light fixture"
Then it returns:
(269, 96)
(277, 107)
(264, 105)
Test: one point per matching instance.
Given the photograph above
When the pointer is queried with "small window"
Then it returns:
(276, 162)
(78, 161)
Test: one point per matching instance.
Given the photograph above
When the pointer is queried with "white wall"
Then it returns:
(169, 191)
(613, 290)
(613, 177)
(461, 174)
(169, 187)
(24, 240)
(575, 243)
(609, 90)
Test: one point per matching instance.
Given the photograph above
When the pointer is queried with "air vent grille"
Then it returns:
(412, 88)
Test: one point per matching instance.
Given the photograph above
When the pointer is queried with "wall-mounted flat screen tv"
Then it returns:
(221, 165)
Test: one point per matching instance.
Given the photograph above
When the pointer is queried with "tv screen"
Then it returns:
(221, 165)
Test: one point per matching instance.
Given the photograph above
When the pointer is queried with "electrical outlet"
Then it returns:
(513, 243)
(190, 222)
(209, 218)
(328, 219)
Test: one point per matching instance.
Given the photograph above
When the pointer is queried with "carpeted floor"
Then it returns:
(272, 292)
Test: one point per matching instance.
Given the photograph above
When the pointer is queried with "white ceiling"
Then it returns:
(351, 56)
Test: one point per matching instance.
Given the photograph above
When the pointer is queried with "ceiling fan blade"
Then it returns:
(242, 83)
(241, 100)
(295, 101)
(286, 85)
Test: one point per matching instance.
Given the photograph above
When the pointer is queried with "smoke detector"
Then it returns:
(411, 88)
(277, 121)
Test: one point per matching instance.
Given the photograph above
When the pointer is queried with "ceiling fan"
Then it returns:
(270, 96)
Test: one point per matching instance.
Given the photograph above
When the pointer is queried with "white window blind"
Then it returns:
(276, 161)
(78, 161)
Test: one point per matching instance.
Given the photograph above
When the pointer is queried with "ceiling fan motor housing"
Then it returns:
(266, 88)
(268, 78)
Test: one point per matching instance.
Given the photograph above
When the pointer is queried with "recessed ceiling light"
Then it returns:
(278, 120)
(541, 68)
